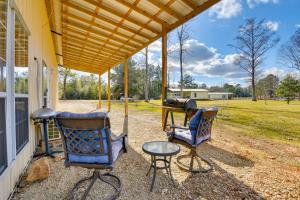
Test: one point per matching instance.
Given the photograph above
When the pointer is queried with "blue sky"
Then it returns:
(213, 30)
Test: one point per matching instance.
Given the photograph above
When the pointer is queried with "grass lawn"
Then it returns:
(276, 120)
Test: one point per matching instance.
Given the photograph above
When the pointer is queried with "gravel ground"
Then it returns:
(243, 168)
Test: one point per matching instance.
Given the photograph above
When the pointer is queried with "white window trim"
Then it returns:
(10, 98)
(12, 11)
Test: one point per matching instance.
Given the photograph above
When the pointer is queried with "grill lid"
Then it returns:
(185, 104)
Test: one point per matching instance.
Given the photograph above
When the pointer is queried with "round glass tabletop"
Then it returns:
(161, 148)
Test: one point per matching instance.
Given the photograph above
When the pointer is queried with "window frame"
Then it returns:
(12, 12)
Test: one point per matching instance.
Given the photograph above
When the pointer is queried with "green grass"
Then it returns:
(276, 120)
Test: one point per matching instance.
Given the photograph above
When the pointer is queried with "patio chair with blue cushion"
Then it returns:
(198, 132)
(88, 143)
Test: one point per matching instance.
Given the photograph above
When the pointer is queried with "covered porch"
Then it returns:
(95, 36)
(241, 170)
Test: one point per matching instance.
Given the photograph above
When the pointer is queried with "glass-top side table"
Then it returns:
(162, 150)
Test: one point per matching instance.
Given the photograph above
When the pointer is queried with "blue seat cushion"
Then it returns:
(186, 136)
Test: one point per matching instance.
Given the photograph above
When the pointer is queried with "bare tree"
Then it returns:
(290, 52)
(182, 36)
(253, 41)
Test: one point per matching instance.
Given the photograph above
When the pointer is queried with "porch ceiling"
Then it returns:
(95, 35)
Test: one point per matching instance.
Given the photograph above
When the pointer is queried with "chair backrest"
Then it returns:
(205, 124)
(85, 136)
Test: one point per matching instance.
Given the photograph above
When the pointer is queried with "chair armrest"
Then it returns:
(116, 138)
(179, 127)
(122, 137)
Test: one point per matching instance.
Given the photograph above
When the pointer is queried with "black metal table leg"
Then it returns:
(170, 172)
(167, 167)
(154, 173)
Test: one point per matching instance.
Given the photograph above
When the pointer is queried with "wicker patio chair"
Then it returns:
(88, 143)
(198, 132)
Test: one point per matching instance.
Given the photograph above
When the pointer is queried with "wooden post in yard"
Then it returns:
(99, 92)
(164, 71)
(108, 90)
(126, 86)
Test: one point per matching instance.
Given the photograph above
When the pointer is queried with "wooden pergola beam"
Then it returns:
(91, 45)
(84, 56)
(91, 54)
(75, 24)
(95, 43)
(82, 64)
(70, 41)
(99, 92)
(126, 86)
(194, 13)
(94, 24)
(190, 3)
(166, 8)
(116, 13)
(164, 71)
(69, 30)
(140, 11)
(108, 89)
(78, 66)
(131, 30)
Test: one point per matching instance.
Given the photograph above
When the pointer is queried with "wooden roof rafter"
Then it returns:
(94, 38)
(124, 17)
(104, 33)
(109, 21)
(116, 29)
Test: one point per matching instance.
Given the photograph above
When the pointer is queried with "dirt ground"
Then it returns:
(244, 168)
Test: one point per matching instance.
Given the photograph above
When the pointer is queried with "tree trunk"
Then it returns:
(65, 88)
(181, 70)
(146, 78)
(253, 85)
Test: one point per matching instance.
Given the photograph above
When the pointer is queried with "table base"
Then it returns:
(167, 167)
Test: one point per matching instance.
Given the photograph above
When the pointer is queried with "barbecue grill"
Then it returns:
(179, 105)
(184, 104)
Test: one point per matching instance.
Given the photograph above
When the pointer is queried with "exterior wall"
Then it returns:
(193, 95)
(41, 47)
(199, 95)
(218, 96)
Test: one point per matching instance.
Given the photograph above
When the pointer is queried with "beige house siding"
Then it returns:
(41, 47)
(199, 95)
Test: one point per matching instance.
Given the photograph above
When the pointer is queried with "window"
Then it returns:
(3, 28)
(195, 95)
(21, 84)
(45, 83)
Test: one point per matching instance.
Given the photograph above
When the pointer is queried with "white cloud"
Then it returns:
(273, 26)
(226, 9)
(206, 61)
(155, 46)
(253, 3)
(297, 25)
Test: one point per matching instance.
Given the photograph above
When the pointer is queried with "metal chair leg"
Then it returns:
(193, 155)
(97, 175)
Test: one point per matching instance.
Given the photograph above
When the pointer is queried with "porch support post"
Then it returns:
(108, 90)
(164, 71)
(99, 92)
(126, 86)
